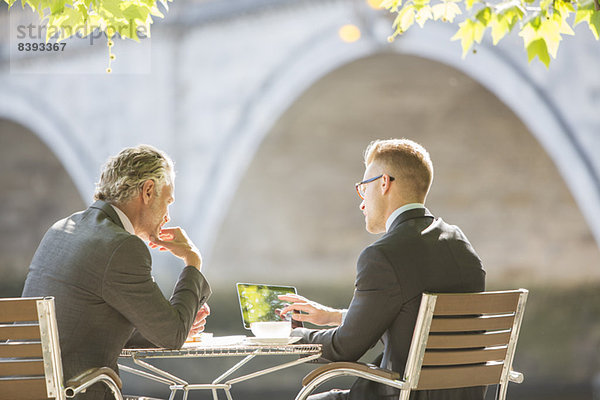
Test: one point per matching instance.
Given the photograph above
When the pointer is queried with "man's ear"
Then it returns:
(385, 183)
(148, 191)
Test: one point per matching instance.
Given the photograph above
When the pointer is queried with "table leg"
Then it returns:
(146, 375)
(272, 369)
(233, 369)
(159, 371)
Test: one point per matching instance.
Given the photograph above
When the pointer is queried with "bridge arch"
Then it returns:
(32, 111)
(322, 52)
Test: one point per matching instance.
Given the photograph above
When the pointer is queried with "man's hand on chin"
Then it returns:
(179, 244)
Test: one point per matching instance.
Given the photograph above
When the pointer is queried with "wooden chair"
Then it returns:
(30, 361)
(460, 340)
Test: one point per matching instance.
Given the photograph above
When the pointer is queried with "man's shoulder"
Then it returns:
(93, 226)
(415, 236)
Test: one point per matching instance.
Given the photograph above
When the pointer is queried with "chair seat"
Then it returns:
(372, 369)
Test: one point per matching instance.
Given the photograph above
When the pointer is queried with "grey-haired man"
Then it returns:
(98, 267)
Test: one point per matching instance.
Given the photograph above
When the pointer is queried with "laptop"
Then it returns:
(259, 302)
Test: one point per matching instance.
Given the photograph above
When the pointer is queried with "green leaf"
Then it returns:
(583, 14)
(563, 7)
(538, 48)
(156, 12)
(587, 13)
(57, 6)
(92, 22)
(136, 13)
(560, 19)
(469, 31)
(405, 18)
(545, 4)
(65, 23)
(594, 24)
(423, 15)
(391, 5)
(528, 33)
(446, 11)
(128, 30)
(549, 30)
(32, 6)
(501, 25)
(484, 16)
(111, 11)
(469, 3)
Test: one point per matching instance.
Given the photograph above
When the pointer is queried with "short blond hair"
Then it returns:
(405, 160)
(123, 175)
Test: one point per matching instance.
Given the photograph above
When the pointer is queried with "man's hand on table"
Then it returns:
(200, 321)
(316, 313)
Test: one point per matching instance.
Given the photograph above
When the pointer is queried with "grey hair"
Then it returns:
(123, 175)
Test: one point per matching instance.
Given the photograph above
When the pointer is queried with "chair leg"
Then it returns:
(501, 391)
(114, 389)
(304, 392)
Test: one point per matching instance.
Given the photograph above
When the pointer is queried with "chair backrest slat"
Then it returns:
(23, 389)
(457, 357)
(465, 339)
(470, 340)
(477, 303)
(20, 332)
(21, 367)
(17, 310)
(472, 323)
(20, 349)
(459, 376)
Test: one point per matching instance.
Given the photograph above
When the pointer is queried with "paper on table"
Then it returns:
(217, 341)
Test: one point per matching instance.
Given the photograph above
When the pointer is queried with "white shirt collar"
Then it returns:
(127, 225)
(398, 211)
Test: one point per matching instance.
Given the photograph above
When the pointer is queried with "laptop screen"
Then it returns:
(259, 302)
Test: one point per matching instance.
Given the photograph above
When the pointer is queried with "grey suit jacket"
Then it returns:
(418, 254)
(100, 276)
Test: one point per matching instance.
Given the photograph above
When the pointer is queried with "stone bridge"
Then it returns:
(216, 76)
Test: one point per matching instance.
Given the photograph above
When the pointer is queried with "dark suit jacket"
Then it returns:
(418, 254)
(100, 276)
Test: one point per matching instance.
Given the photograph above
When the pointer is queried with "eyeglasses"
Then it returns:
(361, 186)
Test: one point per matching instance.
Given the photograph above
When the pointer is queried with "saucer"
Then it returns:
(261, 340)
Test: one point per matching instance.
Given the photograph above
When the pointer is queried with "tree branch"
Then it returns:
(597, 5)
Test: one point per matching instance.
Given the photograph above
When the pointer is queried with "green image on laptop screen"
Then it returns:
(260, 302)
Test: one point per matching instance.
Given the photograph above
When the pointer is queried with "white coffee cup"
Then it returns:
(271, 329)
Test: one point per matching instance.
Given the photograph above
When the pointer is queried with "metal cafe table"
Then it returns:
(306, 352)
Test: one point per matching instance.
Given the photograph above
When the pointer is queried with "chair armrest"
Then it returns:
(515, 377)
(359, 367)
(87, 378)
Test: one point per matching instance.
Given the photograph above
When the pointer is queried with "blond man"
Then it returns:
(417, 253)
